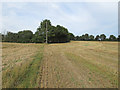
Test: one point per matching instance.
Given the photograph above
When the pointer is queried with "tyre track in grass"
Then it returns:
(71, 71)
(88, 67)
(60, 73)
(50, 78)
(29, 79)
(45, 72)
(57, 70)
(19, 73)
(42, 76)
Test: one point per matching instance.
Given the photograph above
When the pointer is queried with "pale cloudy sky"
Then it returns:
(78, 17)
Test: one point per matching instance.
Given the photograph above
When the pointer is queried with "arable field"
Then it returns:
(78, 64)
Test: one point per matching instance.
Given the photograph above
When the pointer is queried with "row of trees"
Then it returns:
(102, 37)
(20, 37)
(55, 34)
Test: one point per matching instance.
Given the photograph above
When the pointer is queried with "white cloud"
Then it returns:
(80, 19)
(15, 5)
(59, 0)
(77, 22)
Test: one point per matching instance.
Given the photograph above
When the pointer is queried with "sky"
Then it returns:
(78, 17)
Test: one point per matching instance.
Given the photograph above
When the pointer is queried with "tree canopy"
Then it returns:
(55, 34)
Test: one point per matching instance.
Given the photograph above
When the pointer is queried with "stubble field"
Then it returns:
(78, 64)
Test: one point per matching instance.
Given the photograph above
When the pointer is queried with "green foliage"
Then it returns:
(112, 38)
(91, 37)
(102, 37)
(55, 34)
(77, 38)
(97, 38)
(118, 38)
(21, 37)
(25, 36)
(71, 36)
(37, 38)
(86, 37)
(10, 37)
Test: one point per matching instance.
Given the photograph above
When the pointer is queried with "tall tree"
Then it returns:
(97, 38)
(118, 38)
(25, 36)
(71, 36)
(82, 37)
(91, 37)
(11, 37)
(54, 34)
(102, 37)
(40, 35)
(86, 36)
(112, 38)
(77, 38)
(62, 34)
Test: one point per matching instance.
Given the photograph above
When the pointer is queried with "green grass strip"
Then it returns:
(29, 80)
(24, 76)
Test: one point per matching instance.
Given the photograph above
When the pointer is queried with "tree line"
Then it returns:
(102, 37)
(55, 34)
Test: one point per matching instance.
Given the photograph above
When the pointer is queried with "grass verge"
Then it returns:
(25, 75)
